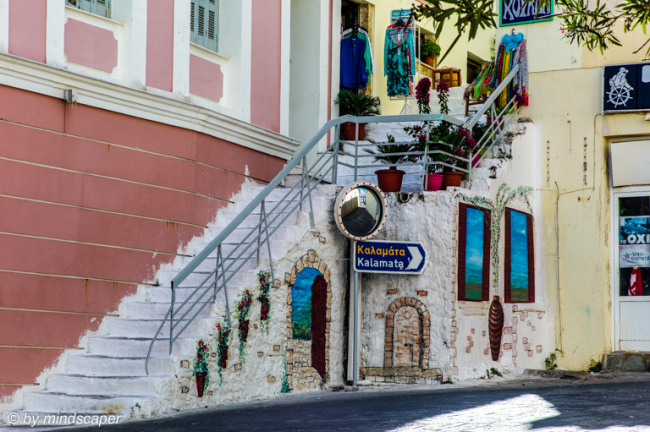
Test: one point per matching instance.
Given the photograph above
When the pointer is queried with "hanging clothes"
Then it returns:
(353, 63)
(512, 52)
(399, 59)
(480, 86)
(368, 56)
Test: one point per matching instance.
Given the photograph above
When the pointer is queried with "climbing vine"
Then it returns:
(223, 334)
(265, 300)
(243, 309)
(504, 196)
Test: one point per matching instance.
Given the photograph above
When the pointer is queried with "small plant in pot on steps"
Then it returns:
(390, 180)
(430, 50)
(358, 105)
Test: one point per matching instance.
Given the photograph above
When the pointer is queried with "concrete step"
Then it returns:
(135, 328)
(96, 365)
(88, 385)
(123, 347)
(151, 310)
(627, 361)
(63, 403)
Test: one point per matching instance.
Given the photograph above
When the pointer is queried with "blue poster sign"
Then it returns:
(389, 257)
(523, 11)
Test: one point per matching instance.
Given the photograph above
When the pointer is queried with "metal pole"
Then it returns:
(355, 363)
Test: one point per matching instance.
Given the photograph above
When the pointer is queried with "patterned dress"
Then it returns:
(399, 60)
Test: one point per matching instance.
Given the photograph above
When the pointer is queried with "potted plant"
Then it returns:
(201, 370)
(358, 105)
(390, 180)
(429, 51)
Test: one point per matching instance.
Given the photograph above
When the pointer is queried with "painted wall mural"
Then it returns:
(474, 251)
(301, 303)
(519, 258)
(309, 304)
(504, 196)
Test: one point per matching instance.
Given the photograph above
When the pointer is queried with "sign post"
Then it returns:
(389, 257)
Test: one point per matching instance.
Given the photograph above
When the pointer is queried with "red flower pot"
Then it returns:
(434, 182)
(243, 331)
(390, 180)
(200, 382)
(349, 131)
(451, 179)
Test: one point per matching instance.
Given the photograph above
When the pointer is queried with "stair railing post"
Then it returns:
(356, 152)
(335, 158)
(267, 240)
(171, 319)
(259, 231)
(302, 179)
(225, 288)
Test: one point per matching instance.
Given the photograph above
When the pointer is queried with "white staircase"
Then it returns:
(108, 376)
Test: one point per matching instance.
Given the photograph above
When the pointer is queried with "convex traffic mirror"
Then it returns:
(360, 210)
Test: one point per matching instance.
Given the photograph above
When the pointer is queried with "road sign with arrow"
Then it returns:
(389, 257)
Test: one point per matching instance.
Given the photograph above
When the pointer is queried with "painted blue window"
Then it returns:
(301, 303)
(204, 23)
(97, 7)
(473, 253)
(519, 264)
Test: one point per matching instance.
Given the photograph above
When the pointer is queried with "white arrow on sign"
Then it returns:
(416, 258)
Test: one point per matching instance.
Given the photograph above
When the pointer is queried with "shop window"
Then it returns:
(519, 262)
(204, 24)
(473, 253)
(97, 7)
(634, 246)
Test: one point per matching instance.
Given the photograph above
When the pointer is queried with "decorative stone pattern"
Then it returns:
(408, 329)
(301, 374)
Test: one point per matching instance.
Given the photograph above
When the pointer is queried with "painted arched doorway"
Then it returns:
(309, 314)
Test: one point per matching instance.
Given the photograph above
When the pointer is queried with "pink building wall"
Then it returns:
(27, 27)
(206, 78)
(160, 44)
(266, 64)
(90, 46)
(90, 203)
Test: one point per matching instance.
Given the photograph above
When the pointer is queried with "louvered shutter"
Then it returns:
(204, 23)
(97, 7)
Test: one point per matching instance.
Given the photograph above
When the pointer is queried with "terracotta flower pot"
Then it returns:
(451, 179)
(200, 382)
(389, 180)
(349, 131)
(434, 182)
(243, 331)
(496, 327)
(429, 60)
(264, 313)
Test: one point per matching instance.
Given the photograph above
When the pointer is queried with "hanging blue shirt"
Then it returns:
(353, 63)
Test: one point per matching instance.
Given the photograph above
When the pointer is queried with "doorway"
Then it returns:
(631, 293)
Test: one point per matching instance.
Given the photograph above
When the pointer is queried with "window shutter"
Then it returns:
(97, 7)
(204, 23)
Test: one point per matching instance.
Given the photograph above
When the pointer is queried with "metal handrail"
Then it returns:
(324, 168)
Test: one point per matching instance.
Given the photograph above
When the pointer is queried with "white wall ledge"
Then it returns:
(39, 78)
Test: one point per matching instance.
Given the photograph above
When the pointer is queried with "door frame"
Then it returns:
(615, 298)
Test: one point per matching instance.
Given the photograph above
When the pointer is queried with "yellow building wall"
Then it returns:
(482, 47)
(565, 84)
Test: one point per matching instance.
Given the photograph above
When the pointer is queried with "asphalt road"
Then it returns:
(548, 406)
